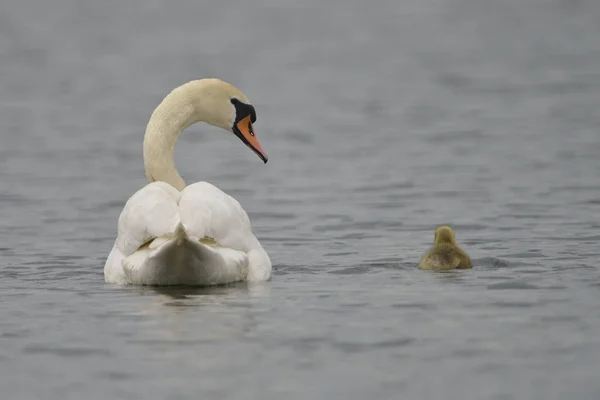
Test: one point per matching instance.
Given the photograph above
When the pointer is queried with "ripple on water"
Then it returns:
(115, 375)
(471, 352)
(358, 270)
(595, 284)
(357, 347)
(384, 187)
(282, 270)
(64, 351)
(513, 304)
(340, 253)
(394, 265)
(514, 284)
(16, 334)
(533, 253)
(491, 262)
(357, 226)
(416, 306)
(453, 136)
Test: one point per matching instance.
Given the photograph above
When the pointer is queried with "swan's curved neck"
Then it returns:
(175, 113)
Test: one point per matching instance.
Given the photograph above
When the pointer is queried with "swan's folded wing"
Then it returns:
(150, 213)
(208, 212)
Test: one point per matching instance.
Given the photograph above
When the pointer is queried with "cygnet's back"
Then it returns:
(445, 253)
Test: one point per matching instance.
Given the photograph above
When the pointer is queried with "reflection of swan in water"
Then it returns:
(191, 292)
(187, 315)
(173, 234)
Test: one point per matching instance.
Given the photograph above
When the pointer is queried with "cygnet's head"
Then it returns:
(444, 234)
(223, 105)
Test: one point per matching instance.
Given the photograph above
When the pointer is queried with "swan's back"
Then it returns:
(208, 212)
(214, 223)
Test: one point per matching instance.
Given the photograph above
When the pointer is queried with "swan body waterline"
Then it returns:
(173, 234)
(445, 253)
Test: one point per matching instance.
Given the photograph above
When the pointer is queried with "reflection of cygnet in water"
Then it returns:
(445, 254)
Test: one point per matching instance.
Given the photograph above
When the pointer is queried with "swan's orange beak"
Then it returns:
(244, 130)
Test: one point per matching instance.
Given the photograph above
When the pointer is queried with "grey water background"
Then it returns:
(382, 119)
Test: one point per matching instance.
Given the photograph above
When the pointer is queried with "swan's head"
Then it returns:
(444, 234)
(223, 105)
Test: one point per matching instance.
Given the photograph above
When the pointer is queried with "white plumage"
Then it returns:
(195, 236)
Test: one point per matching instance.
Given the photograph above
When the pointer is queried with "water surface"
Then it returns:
(381, 120)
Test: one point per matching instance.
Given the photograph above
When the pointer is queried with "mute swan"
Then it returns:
(445, 253)
(173, 234)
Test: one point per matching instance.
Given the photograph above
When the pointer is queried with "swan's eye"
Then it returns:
(234, 101)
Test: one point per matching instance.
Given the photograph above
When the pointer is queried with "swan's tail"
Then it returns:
(180, 258)
(180, 234)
